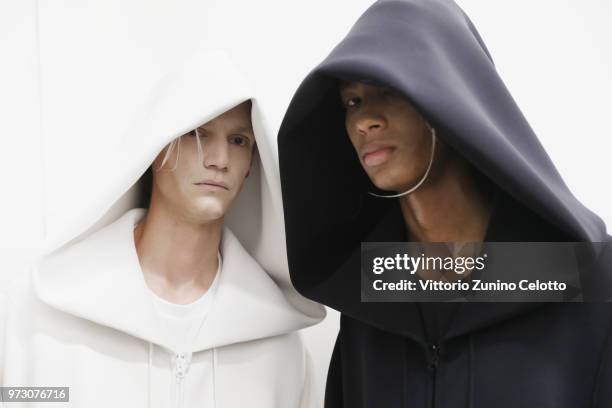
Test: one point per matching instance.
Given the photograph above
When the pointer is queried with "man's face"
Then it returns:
(392, 139)
(204, 184)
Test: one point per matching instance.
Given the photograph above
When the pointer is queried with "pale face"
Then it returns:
(392, 140)
(203, 186)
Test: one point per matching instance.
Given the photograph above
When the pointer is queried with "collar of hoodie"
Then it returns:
(70, 282)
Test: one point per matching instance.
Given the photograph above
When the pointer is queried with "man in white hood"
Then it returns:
(187, 302)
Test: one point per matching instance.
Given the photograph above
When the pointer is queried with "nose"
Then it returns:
(369, 123)
(216, 153)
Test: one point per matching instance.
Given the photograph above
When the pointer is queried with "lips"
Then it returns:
(375, 156)
(215, 185)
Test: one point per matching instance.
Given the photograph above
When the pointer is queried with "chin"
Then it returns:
(209, 208)
(389, 180)
(384, 181)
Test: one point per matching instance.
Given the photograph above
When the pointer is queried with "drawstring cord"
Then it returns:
(149, 375)
(214, 368)
(471, 374)
(180, 393)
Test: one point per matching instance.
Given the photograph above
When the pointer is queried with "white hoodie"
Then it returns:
(82, 317)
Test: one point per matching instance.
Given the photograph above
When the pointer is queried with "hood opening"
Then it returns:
(431, 52)
(341, 213)
(191, 93)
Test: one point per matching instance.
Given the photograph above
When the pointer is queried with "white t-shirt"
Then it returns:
(181, 323)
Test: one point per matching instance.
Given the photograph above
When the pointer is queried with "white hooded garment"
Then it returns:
(82, 317)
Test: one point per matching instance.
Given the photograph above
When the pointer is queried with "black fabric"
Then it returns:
(490, 355)
(437, 355)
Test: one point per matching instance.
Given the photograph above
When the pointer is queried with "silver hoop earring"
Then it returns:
(431, 158)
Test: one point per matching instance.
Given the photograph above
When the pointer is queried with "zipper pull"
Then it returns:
(180, 365)
(435, 356)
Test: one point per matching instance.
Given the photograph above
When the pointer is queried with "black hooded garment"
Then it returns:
(451, 354)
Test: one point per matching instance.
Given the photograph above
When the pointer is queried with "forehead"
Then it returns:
(346, 86)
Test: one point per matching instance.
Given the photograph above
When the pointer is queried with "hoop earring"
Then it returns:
(431, 158)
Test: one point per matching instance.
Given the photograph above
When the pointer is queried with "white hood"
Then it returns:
(118, 81)
(256, 294)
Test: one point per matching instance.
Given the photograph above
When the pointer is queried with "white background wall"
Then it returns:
(554, 55)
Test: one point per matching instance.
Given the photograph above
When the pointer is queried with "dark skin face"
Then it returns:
(393, 141)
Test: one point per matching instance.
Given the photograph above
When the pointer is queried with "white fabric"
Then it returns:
(82, 316)
(181, 322)
(90, 329)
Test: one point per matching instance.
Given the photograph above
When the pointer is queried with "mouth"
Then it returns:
(375, 155)
(212, 185)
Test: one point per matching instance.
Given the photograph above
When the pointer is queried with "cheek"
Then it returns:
(175, 176)
(241, 160)
(349, 126)
(189, 157)
(167, 182)
(413, 136)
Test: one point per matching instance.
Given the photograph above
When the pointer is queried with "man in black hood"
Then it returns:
(443, 155)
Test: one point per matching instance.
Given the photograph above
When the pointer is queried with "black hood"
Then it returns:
(431, 52)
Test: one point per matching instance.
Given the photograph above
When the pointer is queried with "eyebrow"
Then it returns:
(242, 129)
(344, 85)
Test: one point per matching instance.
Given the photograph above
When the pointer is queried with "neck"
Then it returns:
(449, 207)
(177, 254)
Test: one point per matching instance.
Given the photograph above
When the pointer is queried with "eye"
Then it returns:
(350, 103)
(201, 133)
(239, 140)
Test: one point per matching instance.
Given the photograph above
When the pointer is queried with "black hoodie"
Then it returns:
(437, 355)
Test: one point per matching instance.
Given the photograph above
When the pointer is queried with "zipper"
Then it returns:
(180, 367)
(434, 350)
